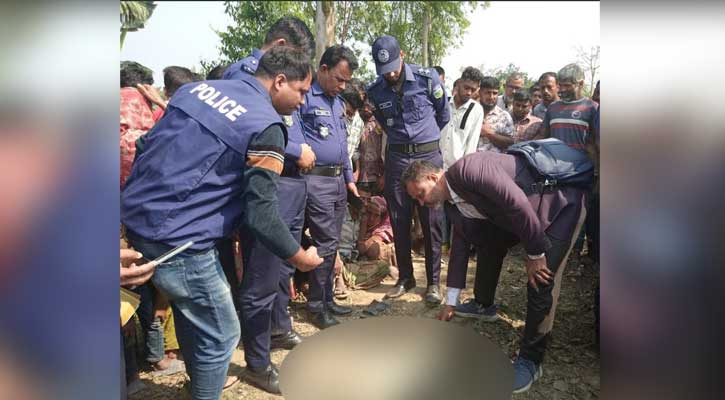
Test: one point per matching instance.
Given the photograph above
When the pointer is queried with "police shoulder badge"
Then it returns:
(383, 56)
(288, 120)
(438, 92)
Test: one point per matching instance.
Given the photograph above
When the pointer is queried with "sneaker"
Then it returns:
(526, 372)
(473, 309)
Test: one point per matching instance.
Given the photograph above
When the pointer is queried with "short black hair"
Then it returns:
(439, 70)
(294, 32)
(133, 73)
(336, 53)
(294, 63)
(416, 171)
(352, 96)
(546, 75)
(472, 74)
(522, 95)
(490, 82)
(175, 77)
(534, 88)
(217, 72)
(456, 82)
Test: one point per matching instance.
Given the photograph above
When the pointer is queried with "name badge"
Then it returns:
(324, 131)
(323, 113)
(390, 122)
(288, 120)
(387, 104)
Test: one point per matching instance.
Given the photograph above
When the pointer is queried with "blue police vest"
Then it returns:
(187, 184)
(247, 67)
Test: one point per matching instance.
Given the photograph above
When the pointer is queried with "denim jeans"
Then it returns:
(206, 323)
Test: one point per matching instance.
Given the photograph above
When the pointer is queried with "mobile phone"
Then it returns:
(172, 252)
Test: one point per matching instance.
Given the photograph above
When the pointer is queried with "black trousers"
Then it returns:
(492, 244)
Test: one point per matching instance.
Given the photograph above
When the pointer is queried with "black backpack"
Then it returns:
(555, 163)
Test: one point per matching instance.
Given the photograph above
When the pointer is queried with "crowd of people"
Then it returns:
(281, 173)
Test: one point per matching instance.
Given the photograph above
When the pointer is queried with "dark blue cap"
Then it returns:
(386, 53)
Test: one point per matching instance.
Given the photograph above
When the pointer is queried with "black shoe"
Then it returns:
(400, 288)
(337, 309)
(433, 295)
(285, 341)
(322, 320)
(266, 379)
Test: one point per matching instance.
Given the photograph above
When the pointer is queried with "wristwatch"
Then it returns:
(535, 257)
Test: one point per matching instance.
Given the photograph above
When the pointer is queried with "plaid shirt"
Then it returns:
(502, 125)
(527, 128)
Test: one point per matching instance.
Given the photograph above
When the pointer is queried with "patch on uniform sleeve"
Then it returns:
(270, 158)
(288, 120)
(438, 92)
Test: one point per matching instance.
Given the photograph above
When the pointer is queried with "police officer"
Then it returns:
(410, 103)
(265, 289)
(286, 31)
(212, 163)
(323, 116)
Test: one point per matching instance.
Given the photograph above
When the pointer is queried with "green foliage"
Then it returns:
(251, 21)
(358, 24)
(134, 15)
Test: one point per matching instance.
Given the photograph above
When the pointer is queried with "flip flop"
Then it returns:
(231, 382)
(175, 367)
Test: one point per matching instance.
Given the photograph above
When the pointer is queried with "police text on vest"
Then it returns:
(225, 105)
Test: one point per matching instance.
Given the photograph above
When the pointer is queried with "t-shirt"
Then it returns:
(571, 122)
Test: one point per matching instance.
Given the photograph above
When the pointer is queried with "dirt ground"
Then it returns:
(571, 369)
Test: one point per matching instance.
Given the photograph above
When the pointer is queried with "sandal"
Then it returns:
(231, 382)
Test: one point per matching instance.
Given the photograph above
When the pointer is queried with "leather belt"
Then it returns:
(326, 170)
(414, 148)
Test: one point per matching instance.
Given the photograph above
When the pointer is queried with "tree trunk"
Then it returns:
(325, 24)
(426, 34)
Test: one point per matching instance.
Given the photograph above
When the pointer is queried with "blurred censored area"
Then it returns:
(662, 188)
(58, 203)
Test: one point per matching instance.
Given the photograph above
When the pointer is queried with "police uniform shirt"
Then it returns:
(418, 113)
(245, 66)
(325, 129)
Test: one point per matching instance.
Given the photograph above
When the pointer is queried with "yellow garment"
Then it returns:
(170, 342)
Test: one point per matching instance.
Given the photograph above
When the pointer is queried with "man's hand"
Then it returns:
(487, 130)
(538, 272)
(152, 95)
(131, 274)
(306, 260)
(307, 158)
(446, 313)
(353, 188)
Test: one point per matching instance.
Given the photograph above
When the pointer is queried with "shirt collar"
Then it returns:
(408, 72)
(316, 88)
(256, 53)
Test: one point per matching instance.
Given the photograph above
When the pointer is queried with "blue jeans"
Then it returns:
(206, 323)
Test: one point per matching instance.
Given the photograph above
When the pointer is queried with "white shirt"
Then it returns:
(457, 142)
(354, 133)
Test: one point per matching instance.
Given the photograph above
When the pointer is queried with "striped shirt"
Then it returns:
(571, 122)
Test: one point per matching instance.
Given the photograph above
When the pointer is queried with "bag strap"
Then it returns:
(465, 116)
